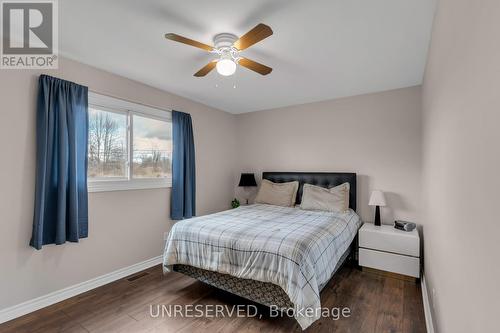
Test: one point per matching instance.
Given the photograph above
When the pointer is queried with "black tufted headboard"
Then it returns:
(323, 179)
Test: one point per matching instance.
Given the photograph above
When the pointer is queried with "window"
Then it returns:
(130, 145)
(152, 153)
(107, 151)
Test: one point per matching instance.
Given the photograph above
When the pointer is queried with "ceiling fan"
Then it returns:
(227, 48)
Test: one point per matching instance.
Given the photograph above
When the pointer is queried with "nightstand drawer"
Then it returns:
(390, 262)
(387, 238)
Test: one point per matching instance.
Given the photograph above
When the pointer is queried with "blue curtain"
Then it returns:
(61, 212)
(183, 168)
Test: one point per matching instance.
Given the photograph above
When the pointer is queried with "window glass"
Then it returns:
(107, 148)
(152, 147)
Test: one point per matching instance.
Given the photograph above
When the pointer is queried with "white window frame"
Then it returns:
(111, 104)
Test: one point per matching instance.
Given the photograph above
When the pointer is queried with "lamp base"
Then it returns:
(377, 215)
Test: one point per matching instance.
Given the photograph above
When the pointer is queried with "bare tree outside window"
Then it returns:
(107, 150)
(151, 141)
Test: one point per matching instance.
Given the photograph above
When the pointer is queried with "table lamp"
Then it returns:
(247, 180)
(377, 199)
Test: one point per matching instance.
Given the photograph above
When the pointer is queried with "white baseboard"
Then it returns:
(60, 295)
(429, 323)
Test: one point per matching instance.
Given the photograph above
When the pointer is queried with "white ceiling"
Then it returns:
(321, 49)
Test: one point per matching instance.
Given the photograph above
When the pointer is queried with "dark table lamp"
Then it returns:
(247, 180)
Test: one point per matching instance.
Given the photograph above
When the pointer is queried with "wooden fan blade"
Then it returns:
(260, 32)
(188, 41)
(205, 70)
(255, 66)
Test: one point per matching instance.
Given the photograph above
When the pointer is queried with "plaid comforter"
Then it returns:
(293, 248)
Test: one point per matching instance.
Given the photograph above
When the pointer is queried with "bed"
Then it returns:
(272, 255)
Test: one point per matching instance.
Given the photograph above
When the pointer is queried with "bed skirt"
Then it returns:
(265, 293)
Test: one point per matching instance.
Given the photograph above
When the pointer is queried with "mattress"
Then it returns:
(295, 249)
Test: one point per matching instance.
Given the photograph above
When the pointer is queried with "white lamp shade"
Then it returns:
(377, 198)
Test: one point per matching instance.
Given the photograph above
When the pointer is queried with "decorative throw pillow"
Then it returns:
(335, 199)
(278, 194)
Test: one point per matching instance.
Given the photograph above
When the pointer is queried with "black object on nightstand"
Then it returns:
(404, 225)
(247, 180)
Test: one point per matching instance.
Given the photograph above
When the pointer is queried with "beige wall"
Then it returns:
(126, 227)
(377, 136)
(461, 163)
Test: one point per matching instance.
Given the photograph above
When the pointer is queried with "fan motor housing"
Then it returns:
(224, 40)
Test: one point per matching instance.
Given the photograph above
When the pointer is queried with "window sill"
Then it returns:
(125, 185)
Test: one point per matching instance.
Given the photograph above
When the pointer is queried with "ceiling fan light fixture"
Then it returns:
(226, 67)
(227, 47)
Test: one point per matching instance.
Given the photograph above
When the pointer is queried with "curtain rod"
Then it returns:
(112, 96)
(130, 101)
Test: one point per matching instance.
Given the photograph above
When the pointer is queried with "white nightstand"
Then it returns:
(388, 249)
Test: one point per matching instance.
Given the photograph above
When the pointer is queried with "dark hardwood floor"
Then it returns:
(377, 304)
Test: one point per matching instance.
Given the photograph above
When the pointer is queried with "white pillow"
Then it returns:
(335, 199)
(278, 194)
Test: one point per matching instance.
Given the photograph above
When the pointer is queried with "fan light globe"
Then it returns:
(226, 67)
